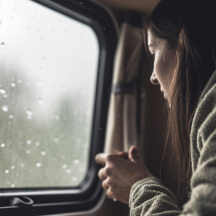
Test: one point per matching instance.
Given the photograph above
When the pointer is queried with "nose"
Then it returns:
(153, 79)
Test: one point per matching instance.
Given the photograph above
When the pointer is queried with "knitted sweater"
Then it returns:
(149, 197)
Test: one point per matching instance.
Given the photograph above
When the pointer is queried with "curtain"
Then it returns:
(127, 102)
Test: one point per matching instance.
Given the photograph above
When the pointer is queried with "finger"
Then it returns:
(110, 193)
(123, 155)
(133, 154)
(101, 158)
(101, 174)
(105, 185)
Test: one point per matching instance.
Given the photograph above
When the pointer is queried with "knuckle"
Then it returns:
(111, 189)
(109, 182)
(104, 185)
(108, 171)
(100, 173)
(110, 158)
(110, 193)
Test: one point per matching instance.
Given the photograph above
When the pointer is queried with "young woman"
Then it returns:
(182, 39)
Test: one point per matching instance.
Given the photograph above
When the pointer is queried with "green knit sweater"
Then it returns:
(149, 196)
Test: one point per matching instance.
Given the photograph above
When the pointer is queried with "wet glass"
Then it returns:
(48, 71)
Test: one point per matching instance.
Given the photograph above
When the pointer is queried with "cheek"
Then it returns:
(160, 68)
(163, 69)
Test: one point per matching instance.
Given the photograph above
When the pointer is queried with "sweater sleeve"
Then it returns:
(150, 197)
(203, 181)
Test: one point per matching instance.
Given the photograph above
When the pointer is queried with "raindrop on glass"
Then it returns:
(76, 161)
(74, 179)
(56, 139)
(2, 145)
(43, 153)
(28, 151)
(38, 164)
(68, 171)
(104, 29)
(3, 45)
(2, 91)
(12, 167)
(21, 165)
(64, 166)
(29, 142)
(5, 108)
(6, 171)
(12, 185)
(29, 112)
(81, 3)
(56, 117)
(13, 85)
(37, 143)
(40, 101)
(5, 96)
(11, 116)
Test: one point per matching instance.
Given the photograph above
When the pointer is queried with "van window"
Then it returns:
(48, 71)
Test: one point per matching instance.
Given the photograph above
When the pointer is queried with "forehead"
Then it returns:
(150, 37)
(154, 41)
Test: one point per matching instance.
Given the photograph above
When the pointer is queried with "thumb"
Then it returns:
(123, 155)
(133, 154)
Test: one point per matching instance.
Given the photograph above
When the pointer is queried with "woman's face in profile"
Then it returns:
(164, 61)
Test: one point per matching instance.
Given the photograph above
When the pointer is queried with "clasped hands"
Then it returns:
(120, 171)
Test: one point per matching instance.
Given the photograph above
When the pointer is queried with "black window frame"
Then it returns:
(47, 201)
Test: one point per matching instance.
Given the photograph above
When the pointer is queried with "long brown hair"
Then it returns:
(194, 45)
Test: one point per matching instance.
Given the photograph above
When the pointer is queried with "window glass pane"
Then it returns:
(48, 68)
